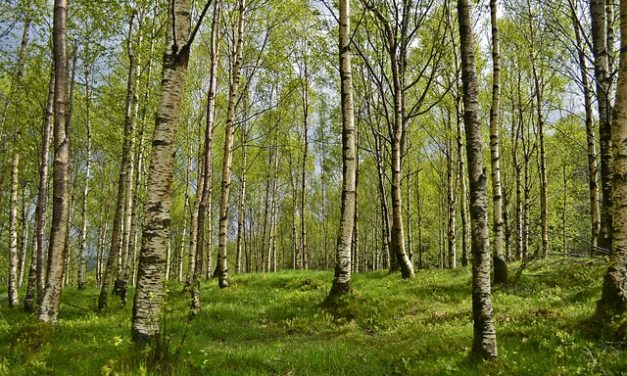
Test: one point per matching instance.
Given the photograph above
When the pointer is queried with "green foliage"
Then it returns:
(275, 324)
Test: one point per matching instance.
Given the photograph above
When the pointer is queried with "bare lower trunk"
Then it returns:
(82, 252)
(119, 219)
(613, 302)
(461, 171)
(38, 280)
(204, 206)
(500, 264)
(450, 192)
(49, 307)
(593, 169)
(342, 277)
(236, 54)
(419, 209)
(191, 261)
(303, 181)
(241, 208)
(484, 343)
(273, 208)
(355, 246)
(14, 300)
(23, 237)
(602, 76)
(150, 292)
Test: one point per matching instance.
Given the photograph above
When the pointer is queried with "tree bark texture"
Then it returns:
(342, 276)
(150, 289)
(500, 265)
(204, 206)
(598, 19)
(49, 307)
(614, 294)
(484, 342)
(117, 237)
(236, 54)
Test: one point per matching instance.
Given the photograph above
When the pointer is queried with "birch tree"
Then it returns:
(51, 300)
(484, 342)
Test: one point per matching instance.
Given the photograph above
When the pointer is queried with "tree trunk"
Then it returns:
(484, 343)
(613, 300)
(516, 131)
(117, 238)
(398, 231)
(191, 261)
(121, 282)
(102, 234)
(539, 98)
(355, 244)
(242, 205)
(67, 263)
(194, 208)
(461, 171)
(593, 169)
(564, 196)
(150, 288)
(51, 300)
(13, 230)
(204, 206)
(419, 209)
(82, 252)
(23, 236)
(36, 274)
(272, 262)
(450, 190)
(602, 78)
(500, 264)
(303, 178)
(385, 216)
(342, 277)
(273, 209)
(236, 53)
(136, 222)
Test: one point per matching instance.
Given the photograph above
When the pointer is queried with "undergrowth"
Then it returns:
(276, 324)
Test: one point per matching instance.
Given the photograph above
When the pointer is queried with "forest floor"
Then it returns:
(273, 324)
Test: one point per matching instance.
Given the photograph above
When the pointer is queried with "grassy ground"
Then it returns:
(273, 324)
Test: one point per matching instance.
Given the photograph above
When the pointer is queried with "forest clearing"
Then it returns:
(317, 187)
(273, 324)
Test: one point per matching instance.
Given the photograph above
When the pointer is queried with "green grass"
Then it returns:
(273, 324)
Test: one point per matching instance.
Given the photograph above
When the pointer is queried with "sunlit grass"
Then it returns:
(274, 324)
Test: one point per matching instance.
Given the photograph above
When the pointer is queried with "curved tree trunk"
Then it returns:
(484, 343)
(150, 288)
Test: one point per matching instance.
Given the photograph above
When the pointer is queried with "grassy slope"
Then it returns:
(273, 324)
